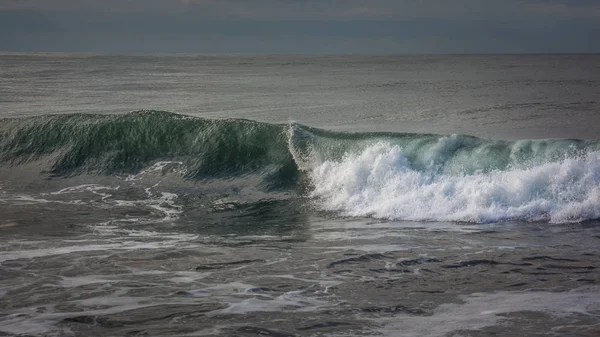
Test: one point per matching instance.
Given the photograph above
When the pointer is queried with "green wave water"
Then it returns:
(127, 143)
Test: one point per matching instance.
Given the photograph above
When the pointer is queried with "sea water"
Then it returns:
(228, 195)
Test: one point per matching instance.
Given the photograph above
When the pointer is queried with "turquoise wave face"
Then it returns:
(439, 154)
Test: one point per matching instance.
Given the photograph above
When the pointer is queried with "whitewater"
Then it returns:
(381, 182)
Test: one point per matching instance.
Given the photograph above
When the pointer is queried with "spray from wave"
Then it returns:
(382, 175)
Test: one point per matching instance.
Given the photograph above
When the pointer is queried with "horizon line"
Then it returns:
(287, 54)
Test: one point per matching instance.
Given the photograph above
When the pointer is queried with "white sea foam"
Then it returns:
(127, 244)
(164, 203)
(380, 182)
(487, 309)
(93, 188)
(161, 168)
(290, 301)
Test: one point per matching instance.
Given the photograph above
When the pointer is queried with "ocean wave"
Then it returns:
(399, 176)
(129, 143)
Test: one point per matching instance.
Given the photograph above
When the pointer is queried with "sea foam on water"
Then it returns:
(381, 182)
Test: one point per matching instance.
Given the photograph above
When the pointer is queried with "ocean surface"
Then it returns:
(270, 195)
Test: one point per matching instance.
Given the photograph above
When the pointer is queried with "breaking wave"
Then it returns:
(397, 176)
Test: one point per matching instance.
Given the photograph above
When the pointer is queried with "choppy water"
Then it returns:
(299, 196)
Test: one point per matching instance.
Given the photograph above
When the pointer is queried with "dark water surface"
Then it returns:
(174, 196)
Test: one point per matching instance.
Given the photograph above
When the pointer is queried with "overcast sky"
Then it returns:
(301, 26)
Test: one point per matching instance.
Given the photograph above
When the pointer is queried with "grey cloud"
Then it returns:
(261, 26)
(314, 9)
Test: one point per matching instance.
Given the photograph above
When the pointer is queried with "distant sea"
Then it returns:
(294, 195)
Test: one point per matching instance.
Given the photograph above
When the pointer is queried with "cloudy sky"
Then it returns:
(301, 26)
